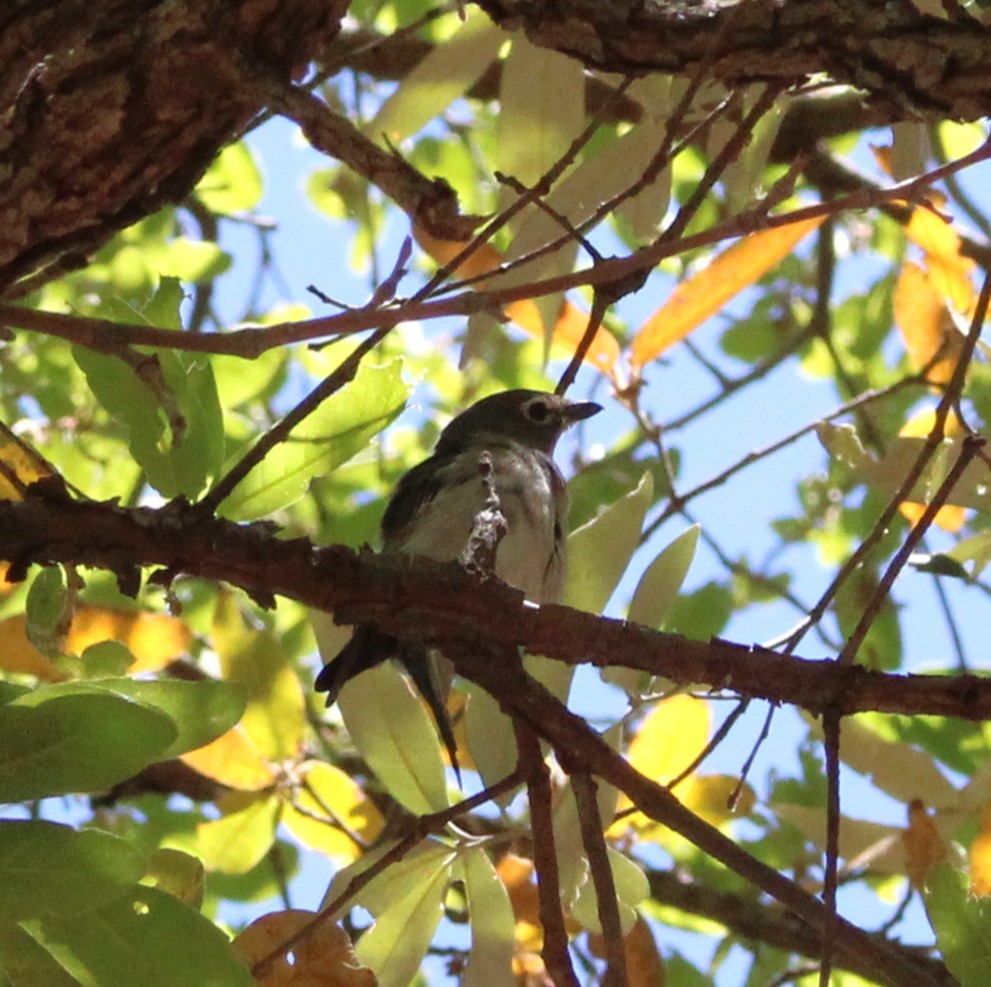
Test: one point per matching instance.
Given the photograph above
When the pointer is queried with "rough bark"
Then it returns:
(909, 63)
(110, 109)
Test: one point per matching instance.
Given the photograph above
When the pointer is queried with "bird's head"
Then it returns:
(532, 418)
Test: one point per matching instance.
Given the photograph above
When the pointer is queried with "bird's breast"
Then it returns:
(533, 501)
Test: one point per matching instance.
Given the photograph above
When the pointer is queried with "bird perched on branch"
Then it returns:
(497, 453)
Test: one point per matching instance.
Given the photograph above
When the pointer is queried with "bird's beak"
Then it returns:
(577, 411)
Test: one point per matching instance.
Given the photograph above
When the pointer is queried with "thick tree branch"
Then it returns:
(111, 109)
(441, 601)
(908, 63)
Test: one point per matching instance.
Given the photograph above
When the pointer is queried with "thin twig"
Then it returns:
(555, 948)
(594, 841)
(420, 828)
(280, 432)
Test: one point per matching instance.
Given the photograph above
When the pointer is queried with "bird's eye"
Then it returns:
(537, 411)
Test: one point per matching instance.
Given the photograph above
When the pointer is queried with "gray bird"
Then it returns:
(434, 507)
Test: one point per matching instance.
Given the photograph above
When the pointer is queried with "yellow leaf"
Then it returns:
(517, 874)
(234, 761)
(326, 807)
(644, 963)
(924, 846)
(925, 324)
(18, 654)
(275, 716)
(155, 639)
(20, 465)
(980, 856)
(671, 736)
(569, 330)
(5, 586)
(240, 838)
(952, 517)
(949, 271)
(704, 294)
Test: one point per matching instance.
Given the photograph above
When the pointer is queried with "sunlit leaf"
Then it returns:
(180, 874)
(240, 838)
(234, 760)
(949, 270)
(962, 924)
(631, 889)
(396, 944)
(570, 324)
(77, 743)
(902, 771)
(490, 736)
(396, 737)
(233, 182)
(949, 518)
(542, 109)
(980, 856)
(925, 324)
(275, 715)
(448, 71)
(201, 711)
(705, 293)
(20, 465)
(329, 805)
(659, 585)
(19, 655)
(342, 426)
(924, 844)
(492, 923)
(133, 940)
(599, 551)
(155, 639)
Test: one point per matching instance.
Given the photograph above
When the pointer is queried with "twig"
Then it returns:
(420, 828)
(532, 766)
(593, 839)
(831, 732)
(280, 432)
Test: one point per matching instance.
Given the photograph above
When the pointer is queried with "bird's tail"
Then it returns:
(370, 647)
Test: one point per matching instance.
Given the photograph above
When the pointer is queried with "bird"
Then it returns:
(501, 445)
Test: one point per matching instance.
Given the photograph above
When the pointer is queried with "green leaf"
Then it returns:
(237, 841)
(25, 962)
(233, 182)
(631, 889)
(702, 614)
(144, 937)
(76, 744)
(445, 74)
(396, 737)
(50, 869)
(420, 865)
(659, 585)
(962, 924)
(201, 711)
(491, 739)
(174, 428)
(598, 552)
(492, 923)
(45, 609)
(395, 945)
(342, 426)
